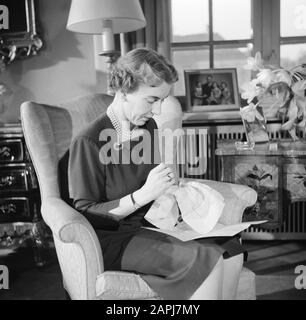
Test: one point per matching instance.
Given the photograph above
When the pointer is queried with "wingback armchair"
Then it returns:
(48, 131)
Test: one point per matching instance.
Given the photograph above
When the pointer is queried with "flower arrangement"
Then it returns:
(288, 87)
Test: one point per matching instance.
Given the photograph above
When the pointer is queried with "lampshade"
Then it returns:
(89, 16)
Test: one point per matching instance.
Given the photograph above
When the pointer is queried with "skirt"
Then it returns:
(172, 268)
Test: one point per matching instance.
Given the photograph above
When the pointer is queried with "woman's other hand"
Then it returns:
(159, 180)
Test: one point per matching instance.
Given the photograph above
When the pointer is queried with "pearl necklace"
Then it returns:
(123, 135)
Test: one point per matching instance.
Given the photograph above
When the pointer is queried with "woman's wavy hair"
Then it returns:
(141, 66)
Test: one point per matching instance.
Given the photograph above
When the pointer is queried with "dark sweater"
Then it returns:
(97, 186)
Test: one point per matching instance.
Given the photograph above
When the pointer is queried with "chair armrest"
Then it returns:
(237, 197)
(59, 216)
(78, 248)
(69, 226)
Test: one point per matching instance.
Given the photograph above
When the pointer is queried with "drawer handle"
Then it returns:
(7, 181)
(5, 152)
(8, 208)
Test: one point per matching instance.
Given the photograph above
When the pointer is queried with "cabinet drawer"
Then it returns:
(11, 150)
(295, 181)
(264, 175)
(13, 180)
(14, 210)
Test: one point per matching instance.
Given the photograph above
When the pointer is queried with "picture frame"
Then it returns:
(18, 36)
(212, 90)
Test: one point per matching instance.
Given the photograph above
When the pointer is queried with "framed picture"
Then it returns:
(212, 90)
(18, 32)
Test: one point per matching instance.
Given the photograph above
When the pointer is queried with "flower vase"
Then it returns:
(256, 128)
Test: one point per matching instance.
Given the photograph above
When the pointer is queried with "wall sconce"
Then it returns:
(106, 17)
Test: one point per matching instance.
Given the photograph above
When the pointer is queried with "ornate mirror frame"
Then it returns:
(18, 44)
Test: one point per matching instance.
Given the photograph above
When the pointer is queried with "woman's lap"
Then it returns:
(174, 269)
(153, 252)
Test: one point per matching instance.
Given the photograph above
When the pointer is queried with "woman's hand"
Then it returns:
(158, 181)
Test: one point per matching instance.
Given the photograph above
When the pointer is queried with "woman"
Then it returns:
(215, 96)
(226, 94)
(105, 188)
(198, 94)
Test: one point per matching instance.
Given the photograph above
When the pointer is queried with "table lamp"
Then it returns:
(106, 17)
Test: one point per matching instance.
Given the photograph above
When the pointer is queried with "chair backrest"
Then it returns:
(48, 132)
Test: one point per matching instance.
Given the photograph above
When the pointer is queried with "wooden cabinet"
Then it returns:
(278, 176)
(19, 192)
(294, 214)
(20, 217)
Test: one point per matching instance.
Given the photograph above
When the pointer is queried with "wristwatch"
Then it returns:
(135, 204)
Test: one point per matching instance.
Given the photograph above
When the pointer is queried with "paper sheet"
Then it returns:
(184, 233)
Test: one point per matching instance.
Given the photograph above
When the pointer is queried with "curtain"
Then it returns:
(156, 34)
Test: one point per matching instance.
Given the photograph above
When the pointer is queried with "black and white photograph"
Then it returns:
(152, 153)
(211, 90)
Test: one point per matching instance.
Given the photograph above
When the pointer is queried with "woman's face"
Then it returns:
(140, 105)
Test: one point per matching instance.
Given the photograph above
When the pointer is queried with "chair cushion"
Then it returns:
(246, 285)
(119, 285)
